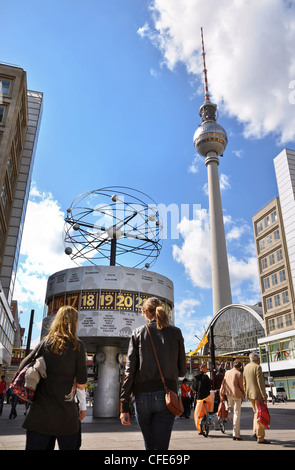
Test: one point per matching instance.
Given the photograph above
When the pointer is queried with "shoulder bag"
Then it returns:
(19, 383)
(173, 401)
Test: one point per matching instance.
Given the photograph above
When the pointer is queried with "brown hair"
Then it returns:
(237, 363)
(156, 309)
(63, 329)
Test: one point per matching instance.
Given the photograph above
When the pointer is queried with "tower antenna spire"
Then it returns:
(207, 98)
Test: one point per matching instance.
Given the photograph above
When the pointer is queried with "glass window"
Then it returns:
(276, 234)
(274, 279)
(275, 353)
(266, 283)
(288, 319)
(271, 324)
(264, 263)
(282, 275)
(269, 239)
(259, 226)
(1, 114)
(277, 300)
(4, 86)
(279, 254)
(266, 221)
(285, 296)
(261, 244)
(273, 216)
(269, 303)
(280, 322)
(271, 259)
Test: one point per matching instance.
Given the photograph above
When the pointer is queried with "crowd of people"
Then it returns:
(155, 360)
(232, 386)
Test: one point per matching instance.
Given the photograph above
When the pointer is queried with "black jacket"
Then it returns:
(141, 372)
(202, 385)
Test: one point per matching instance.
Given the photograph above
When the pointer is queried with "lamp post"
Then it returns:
(30, 333)
(270, 379)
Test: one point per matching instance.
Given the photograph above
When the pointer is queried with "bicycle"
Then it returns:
(207, 422)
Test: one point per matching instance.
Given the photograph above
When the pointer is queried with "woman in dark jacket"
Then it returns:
(142, 377)
(54, 412)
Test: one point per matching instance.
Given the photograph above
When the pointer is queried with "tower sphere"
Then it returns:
(210, 137)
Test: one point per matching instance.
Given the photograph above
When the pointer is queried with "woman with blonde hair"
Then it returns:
(54, 413)
(142, 377)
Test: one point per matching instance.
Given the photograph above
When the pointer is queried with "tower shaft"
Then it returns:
(221, 291)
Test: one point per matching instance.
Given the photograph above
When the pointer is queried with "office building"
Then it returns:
(274, 232)
(20, 115)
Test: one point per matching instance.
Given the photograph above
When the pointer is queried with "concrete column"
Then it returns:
(221, 290)
(106, 393)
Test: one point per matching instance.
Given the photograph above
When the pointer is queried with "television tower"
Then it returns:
(210, 141)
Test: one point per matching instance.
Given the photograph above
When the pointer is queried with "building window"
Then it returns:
(285, 296)
(271, 324)
(274, 279)
(264, 263)
(1, 114)
(4, 86)
(271, 259)
(259, 226)
(279, 254)
(269, 239)
(280, 322)
(261, 245)
(277, 300)
(282, 275)
(276, 235)
(273, 216)
(288, 319)
(266, 283)
(269, 303)
(266, 221)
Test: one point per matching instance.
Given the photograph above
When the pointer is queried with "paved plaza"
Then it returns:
(109, 435)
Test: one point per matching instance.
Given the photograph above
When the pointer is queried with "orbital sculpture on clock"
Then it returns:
(113, 236)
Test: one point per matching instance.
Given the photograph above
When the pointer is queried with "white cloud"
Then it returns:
(195, 255)
(249, 55)
(191, 322)
(42, 249)
(195, 252)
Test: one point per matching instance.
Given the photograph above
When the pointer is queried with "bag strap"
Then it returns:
(160, 370)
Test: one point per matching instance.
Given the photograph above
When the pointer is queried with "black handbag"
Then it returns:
(173, 401)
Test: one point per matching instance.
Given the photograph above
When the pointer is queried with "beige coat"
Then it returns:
(254, 382)
(232, 384)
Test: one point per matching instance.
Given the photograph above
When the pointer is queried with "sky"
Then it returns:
(123, 84)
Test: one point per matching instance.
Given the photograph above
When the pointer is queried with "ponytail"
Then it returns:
(156, 309)
(162, 318)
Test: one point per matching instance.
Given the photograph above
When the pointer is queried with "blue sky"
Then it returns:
(122, 84)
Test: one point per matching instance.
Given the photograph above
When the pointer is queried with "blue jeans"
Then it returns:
(154, 419)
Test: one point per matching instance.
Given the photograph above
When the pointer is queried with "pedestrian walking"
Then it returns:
(254, 387)
(232, 389)
(202, 385)
(186, 393)
(3, 388)
(142, 377)
(54, 412)
(13, 402)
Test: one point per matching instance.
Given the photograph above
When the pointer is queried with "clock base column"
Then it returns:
(107, 389)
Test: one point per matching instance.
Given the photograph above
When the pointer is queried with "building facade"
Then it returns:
(20, 116)
(274, 232)
(276, 284)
